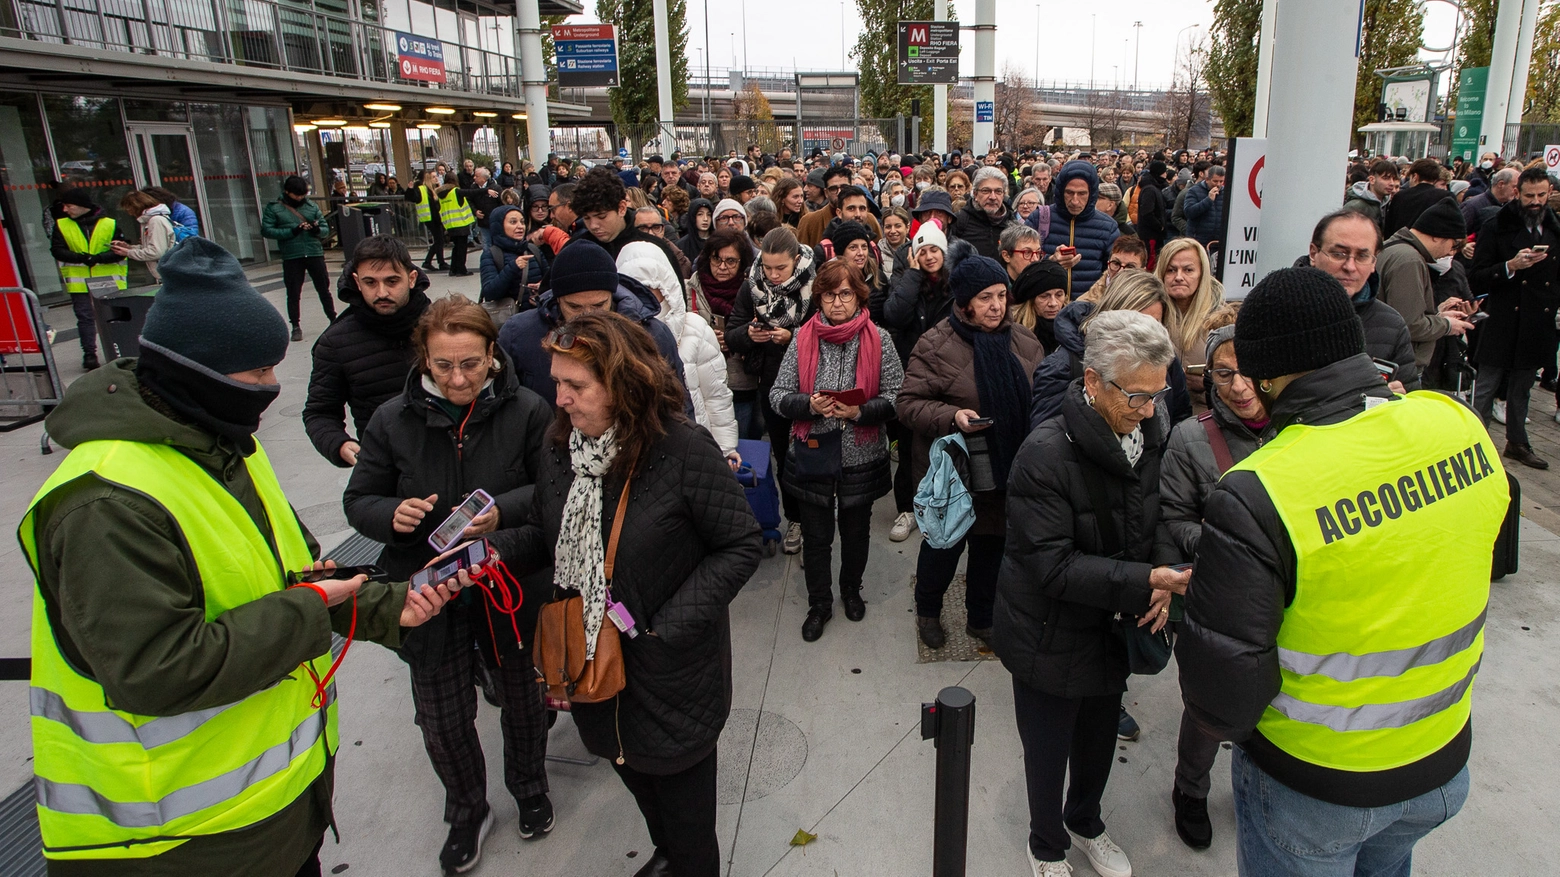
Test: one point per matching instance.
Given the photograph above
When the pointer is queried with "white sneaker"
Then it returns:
(1498, 412)
(904, 525)
(1107, 858)
(1048, 869)
(792, 544)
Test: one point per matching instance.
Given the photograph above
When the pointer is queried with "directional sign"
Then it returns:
(928, 52)
(419, 58)
(587, 55)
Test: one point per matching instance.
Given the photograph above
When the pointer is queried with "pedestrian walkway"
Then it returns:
(825, 737)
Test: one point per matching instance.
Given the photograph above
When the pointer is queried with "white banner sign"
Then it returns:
(1243, 215)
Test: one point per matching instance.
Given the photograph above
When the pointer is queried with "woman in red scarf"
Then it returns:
(837, 385)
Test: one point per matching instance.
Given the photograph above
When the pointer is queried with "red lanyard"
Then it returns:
(322, 685)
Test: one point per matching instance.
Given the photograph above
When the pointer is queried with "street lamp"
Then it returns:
(1137, 53)
(1037, 51)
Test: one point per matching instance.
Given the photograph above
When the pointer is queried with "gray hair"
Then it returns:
(1016, 234)
(1028, 190)
(1121, 341)
(761, 202)
(1505, 175)
(989, 173)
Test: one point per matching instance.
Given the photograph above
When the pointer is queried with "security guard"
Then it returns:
(458, 221)
(423, 195)
(1335, 616)
(82, 244)
(183, 713)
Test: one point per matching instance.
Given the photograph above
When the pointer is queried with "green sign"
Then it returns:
(1470, 112)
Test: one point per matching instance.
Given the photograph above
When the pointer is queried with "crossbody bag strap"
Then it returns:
(617, 529)
(1094, 482)
(1221, 448)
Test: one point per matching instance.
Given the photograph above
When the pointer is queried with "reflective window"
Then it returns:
(25, 173)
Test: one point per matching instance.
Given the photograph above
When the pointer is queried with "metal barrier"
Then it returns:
(29, 380)
(950, 721)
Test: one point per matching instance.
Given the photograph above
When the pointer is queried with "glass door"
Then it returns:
(166, 156)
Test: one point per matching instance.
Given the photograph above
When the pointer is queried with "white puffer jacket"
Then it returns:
(704, 366)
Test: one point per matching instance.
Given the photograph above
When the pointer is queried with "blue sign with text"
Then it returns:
(985, 111)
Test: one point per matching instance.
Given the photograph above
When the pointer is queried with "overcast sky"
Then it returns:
(806, 34)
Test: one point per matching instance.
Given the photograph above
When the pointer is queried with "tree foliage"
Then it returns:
(1016, 117)
(1543, 90)
(1392, 32)
(1232, 62)
(756, 117)
(634, 101)
(877, 61)
(1476, 41)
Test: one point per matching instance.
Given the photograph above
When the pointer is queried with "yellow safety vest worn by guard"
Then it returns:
(1393, 515)
(76, 275)
(424, 204)
(113, 784)
(455, 213)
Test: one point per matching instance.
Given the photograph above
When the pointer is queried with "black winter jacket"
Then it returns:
(973, 225)
(1190, 471)
(1058, 370)
(906, 313)
(1520, 332)
(1058, 592)
(689, 543)
(1406, 206)
(413, 447)
(1386, 335)
(1153, 216)
(62, 252)
(360, 361)
(1244, 580)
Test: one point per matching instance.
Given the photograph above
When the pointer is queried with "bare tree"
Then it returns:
(1104, 116)
(1184, 108)
(1016, 123)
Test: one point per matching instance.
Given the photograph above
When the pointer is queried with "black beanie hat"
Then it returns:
(1442, 220)
(295, 186)
(845, 232)
(973, 274)
(76, 196)
(583, 266)
(739, 184)
(1042, 276)
(207, 313)
(1296, 320)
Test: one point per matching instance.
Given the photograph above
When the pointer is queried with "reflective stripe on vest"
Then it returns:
(114, 784)
(455, 213)
(75, 275)
(424, 204)
(1379, 649)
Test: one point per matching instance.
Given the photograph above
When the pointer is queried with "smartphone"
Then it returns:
(1541, 248)
(464, 557)
(450, 531)
(1196, 369)
(1477, 318)
(1066, 250)
(854, 396)
(719, 322)
(982, 421)
(1180, 567)
(1387, 368)
(374, 573)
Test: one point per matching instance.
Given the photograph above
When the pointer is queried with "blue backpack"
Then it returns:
(944, 510)
(182, 232)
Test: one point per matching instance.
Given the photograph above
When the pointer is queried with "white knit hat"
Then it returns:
(930, 234)
(728, 204)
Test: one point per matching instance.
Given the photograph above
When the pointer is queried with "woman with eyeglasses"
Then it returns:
(463, 423)
(1026, 203)
(719, 275)
(1184, 269)
(1190, 470)
(837, 465)
(768, 310)
(1083, 514)
(1019, 247)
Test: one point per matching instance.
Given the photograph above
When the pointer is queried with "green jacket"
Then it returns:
(281, 225)
(132, 619)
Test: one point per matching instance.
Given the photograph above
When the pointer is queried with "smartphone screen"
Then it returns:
(471, 555)
(450, 531)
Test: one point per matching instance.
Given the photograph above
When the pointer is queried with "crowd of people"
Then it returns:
(1140, 458)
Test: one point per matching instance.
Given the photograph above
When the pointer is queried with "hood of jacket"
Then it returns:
(631, 299)
(1407, 234)
(1068, 323)
(496, 228)
(1362, 192)
(1330, 394)
(1078, 170)
(536, 192)
(108, 403)
(156, 210)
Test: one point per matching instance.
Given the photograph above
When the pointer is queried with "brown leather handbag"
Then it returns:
(559, 646)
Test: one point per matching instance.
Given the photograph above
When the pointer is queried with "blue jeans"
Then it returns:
(1279, 831)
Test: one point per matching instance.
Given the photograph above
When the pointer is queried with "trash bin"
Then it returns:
(358, 221)
(121, 314)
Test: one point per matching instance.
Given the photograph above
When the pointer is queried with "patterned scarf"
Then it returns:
(782, 306)
(580, 557)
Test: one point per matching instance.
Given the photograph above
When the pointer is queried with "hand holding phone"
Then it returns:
(465, 516)
(451, 564)
(321, 572)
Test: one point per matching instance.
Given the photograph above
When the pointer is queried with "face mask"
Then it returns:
(1441, 265)
(897, 201)
(1486, 165)
(921, 186)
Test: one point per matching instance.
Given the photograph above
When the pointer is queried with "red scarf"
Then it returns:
(869, 362)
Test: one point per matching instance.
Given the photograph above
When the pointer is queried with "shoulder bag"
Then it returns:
(1147, 653)
(560, 638)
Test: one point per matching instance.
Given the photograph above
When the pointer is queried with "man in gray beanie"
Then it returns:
(1313, 637)
(163, 550)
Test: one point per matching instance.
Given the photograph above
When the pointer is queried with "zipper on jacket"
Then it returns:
(617, 707)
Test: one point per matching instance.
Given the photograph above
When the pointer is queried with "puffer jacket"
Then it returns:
(907, 313)
(688, 545)
(973, 225)
(279, 223)
(360, 361)
(1058, 593)
(1204, 215)
(941, 380)
(521, 336)
(1153, 216)
(501, 278)
(1091, 231)
(414, 447)
(1065, 364)
(704, 371)
(1386, 335)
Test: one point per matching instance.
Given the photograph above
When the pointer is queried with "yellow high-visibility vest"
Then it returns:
(424, 203)
(75, 275)
(455, 213)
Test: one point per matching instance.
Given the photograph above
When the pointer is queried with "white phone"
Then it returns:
(455, 525)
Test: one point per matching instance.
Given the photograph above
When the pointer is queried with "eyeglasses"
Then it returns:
(443, 368)
(987, 190)
(840, 295)
(1117, 264)
(1341, 256)
(564, 340)
(1223, 377)
(725, 263)
(651, 227)
(835, 188)
(1138, 400)
(733, 219)
(1027, 253)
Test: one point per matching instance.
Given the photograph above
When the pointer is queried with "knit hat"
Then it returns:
(815, 177)
(1442, 220)
(207, 313)
(583, 266)
(1457, 187)
(727, 205)
(844, 233)
(1296, 320)
(1039, 277)
(77, 196)
(973, 274)
(933, 201)
(647, 264)
(1156, 169)
(740, 184)
(928, 235)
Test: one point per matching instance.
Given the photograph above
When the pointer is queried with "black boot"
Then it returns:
(658, 866)
(817, 617)
(931, 631)
(1191, 820)
(855, 607)
(1524, 454)
(89, 360)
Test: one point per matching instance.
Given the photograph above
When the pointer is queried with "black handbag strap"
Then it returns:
(1094, 481)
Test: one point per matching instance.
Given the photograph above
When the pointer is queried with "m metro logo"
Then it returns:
(919, 36)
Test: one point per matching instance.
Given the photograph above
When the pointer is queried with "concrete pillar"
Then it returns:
(1311, 112)
(508, 146)
(1503, 57)
(985, 73)
(940, 96)
(401, 155)
(1259, 109)
(1519, 72)
(533, 77)
(663, 78)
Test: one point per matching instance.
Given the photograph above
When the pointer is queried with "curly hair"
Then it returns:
(600, 191)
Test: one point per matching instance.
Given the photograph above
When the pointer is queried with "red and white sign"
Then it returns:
(1552, 157)
(1238, 263)
(567, 32)
(419, 59)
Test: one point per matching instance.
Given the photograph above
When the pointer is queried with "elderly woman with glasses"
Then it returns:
(1018, 248)
(1083, 516)
(463, 423)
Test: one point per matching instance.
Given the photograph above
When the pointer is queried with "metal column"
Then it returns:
(663, 79)
(1497, 91)
(984, 133)
(533, 78)
(939, 97)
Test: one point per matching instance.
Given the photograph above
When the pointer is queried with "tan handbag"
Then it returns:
(559, 647)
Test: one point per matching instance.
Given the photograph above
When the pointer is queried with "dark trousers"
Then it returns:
(435, 245)
(904, 484)
(293, 271)
(779, 429)
(311, 867)
(1063, 736)
(1517, 384)
(855, 524)
(1195, 751)
(679, 811)
(86, 321)
(446, 711)
(935, 568)
(458, 242)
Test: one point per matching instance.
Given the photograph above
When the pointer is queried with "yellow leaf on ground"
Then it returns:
(802, 838)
